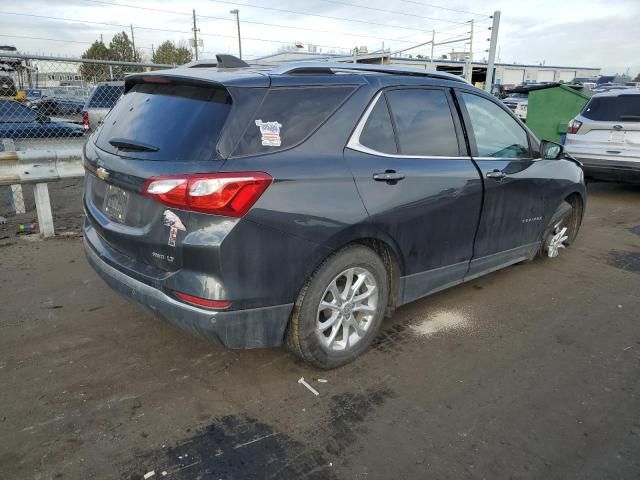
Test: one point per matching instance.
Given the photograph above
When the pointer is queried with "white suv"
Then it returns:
(605, 136)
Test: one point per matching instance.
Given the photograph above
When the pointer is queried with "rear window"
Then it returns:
(288, 116)
(172, 122)
(105, 96)
(623, 108)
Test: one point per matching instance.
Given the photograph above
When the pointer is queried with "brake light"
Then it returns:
(203, 302)
(162, 80)
(85, 120)
(229, 194)
(574, 126)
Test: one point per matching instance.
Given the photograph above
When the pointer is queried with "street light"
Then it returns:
(236, 12)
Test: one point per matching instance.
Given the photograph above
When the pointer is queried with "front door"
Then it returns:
(514, 178)
(419, 186)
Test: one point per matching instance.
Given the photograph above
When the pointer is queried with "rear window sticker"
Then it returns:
(270, 132)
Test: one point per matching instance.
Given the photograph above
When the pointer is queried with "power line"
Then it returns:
(446, 8)
(154, 29)
(353, 20)
(395, 12)
(277, 25)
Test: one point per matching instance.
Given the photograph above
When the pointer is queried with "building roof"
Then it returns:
(335, 56)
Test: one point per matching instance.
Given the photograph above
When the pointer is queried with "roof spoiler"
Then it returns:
(222, 61)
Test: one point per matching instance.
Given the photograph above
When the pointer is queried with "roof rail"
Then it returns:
(316, 67)
(222, 61)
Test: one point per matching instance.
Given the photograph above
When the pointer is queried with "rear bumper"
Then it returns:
(611, 170)
(252, 328)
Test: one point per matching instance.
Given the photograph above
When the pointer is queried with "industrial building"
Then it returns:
(504, 74)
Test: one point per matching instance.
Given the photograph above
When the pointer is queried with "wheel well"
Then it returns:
(391, 263)
(577, 203)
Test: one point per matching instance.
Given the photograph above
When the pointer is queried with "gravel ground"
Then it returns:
(531, 372)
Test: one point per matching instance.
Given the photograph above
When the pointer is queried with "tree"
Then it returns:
(121, 48)
(172, 54)
(90, 71)
(637, 79)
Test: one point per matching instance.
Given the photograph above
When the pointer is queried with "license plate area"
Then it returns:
(115, 203)
(616, 137)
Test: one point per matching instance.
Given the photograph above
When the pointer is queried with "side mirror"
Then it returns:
(551, 150)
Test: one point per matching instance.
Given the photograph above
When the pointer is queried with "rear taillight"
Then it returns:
(574, 126)
(85, 120)
(203, 302)
(229, 194)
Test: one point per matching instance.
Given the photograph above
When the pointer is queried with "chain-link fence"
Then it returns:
(53, 104)
(45, 100)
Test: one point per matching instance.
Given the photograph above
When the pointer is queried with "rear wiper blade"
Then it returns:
(629, 117)
(126, 144)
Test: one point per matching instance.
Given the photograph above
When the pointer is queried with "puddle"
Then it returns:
(629, 261)
(234, 448)
(442, 321)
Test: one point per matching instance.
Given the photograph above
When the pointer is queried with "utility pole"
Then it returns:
(153, 52)
(236, 12)
(433, 44)
(468, 74)
(195, 35)
(492, 51)
(133, 43)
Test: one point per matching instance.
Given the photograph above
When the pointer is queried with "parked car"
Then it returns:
(303, 203)
(33, 94)
(518, 103)
(102, 99)
(19, 121)
(57, 106)
(605, 136)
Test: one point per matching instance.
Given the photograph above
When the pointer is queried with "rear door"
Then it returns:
(418, 184)
(514, 183)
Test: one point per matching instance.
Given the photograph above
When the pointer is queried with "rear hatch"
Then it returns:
(156, 129)
(610, 128)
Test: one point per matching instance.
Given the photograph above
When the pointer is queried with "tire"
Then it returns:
(335, 333)
(566, 216)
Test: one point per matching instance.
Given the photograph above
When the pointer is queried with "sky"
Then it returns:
(580, 33)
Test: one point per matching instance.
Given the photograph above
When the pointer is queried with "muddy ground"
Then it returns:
(531, 372)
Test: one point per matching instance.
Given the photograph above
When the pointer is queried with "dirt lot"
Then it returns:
(531, 372)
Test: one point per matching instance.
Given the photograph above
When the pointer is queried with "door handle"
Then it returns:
(390, 176)
(496, 174)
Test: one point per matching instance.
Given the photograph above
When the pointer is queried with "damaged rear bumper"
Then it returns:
(251, 328)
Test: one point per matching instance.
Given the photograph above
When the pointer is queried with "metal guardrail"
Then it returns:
(39, 167)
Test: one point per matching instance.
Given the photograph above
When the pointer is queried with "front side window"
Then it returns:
(424, 123)
(497, 134)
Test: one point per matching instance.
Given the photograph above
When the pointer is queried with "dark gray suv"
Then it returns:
(301, 204)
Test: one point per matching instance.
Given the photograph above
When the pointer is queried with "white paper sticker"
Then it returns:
(270, 132)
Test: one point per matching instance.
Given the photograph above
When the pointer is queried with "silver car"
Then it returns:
(605, 136)
(103, 97)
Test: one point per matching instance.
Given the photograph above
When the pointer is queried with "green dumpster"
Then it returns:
(550, 110)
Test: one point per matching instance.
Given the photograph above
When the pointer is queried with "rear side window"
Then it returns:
(377, 133)
(105, 96)
(623, 108)
(424, 124)
(287, 116)
(172, 122)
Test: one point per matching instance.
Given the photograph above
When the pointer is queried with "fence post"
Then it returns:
(43, 209)
(16, 197)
